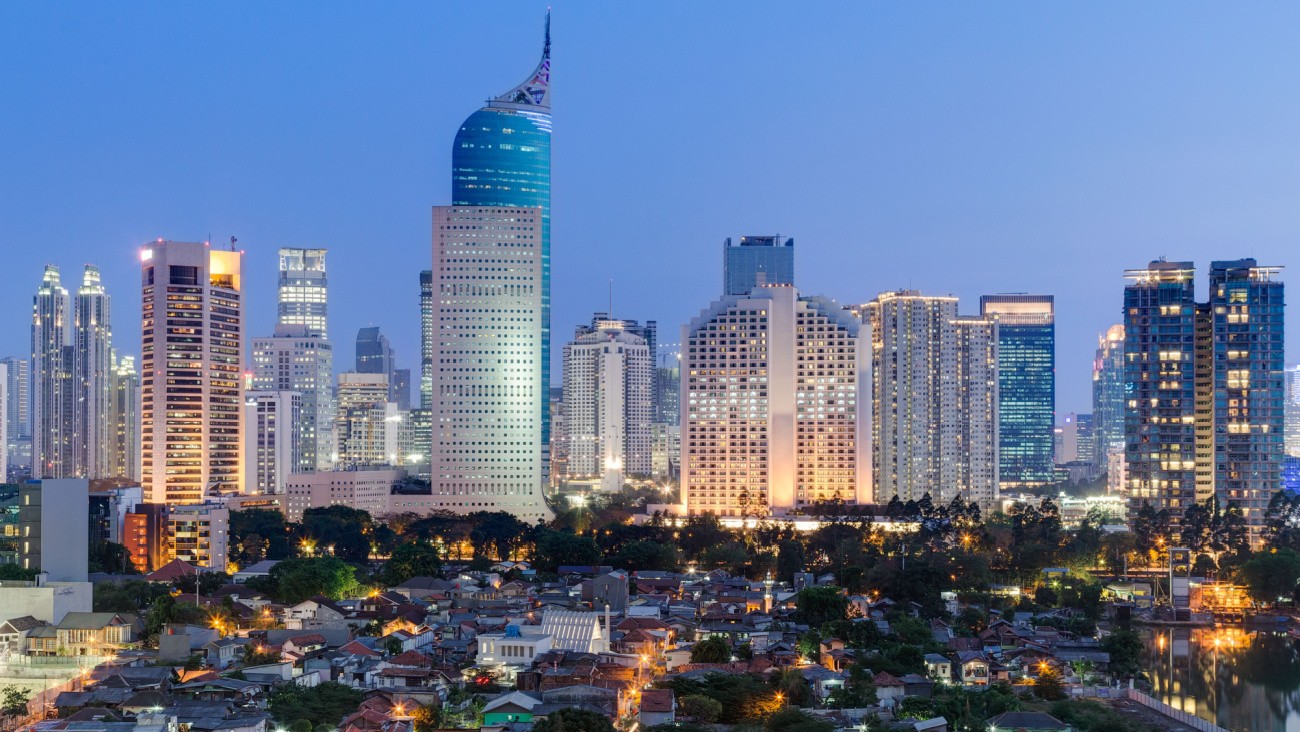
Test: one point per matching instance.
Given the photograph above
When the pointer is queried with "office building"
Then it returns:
(501, 159)
(271, 422)
(400, 388)
(198, 534)
(607, 404)
(374, 355)
(1108, 396)
(366, 427)
(934, 401)
(1026, 388)
(4, 423)
(294, 360)
(93, 361)
(53, 516)
(53, 391)
(1293, 411)
(755, 261)
(17, 402)
(1204, 414)
(1074, 440)
(773, 393)
(303, 293)
(192, 406)
(665, 450)
(369, 490)
(124, 410)
(427, 311)
(668, 375)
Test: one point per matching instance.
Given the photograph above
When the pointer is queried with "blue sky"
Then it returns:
(958, 148)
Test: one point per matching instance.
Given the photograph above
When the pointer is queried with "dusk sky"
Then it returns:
(963, 148)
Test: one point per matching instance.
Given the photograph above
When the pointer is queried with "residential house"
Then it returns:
(658, 706)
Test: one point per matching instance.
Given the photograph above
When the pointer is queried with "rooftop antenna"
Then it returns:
(232, 243)
(611, 298)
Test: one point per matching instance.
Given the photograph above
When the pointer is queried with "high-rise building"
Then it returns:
(1108, 396)
(271, 440)
(427, 311)
(755, 261)
(53, 391)
(935, 399)
(54, 522)
(607, 404)
(4, 423)
(93, 339)
(501, 158)
(374, 354)
(303, 292)
(668, 376)
(17, 404)
(774, 399)
(648, 331)
(1203, 415)
(124, 409)
(1293, 411)
(198, 534)
(400, 389)
(1074, 440)
(1026, 388)
(294, 360)
(192, 406)
(366, 427)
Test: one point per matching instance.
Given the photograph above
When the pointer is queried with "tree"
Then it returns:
(425, 718)
(340, 530)
(294, 580)
(646, 555)
(713, 649)
(1117, 549)
(325, 703)
(1282, 521)
(111, 557)
(699, 708)
(411, 559)
(257, 534)
(552, 549)
(1125, 649)
(573, 719)
(793, 719)
(13, 700)
(857, 692)
(1271, 575)
(790, 558)
(1049, 686)
(820, 605)
(13, 572)
(498, 531)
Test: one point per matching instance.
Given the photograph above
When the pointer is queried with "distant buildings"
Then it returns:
(773, 397)
(303, 292)
(18, 438)
(1204, 416)
(124, 437)
(192, 387)
(1293, 411)
(367, 423)
(1108, 397)
(1026, 387)
(271, 441)
(295, 360)
(754, 261)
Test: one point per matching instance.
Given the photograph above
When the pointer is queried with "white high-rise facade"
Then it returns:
(1293, 411)
(934, 399)
(271, 419)
(17, 404)
(4, 423)
(124, 450)
(488, 389)
(93, 339)
(303, 293)
(608, 405)
(295, 360)
(192, 406)
(774, 405)
(368, 426)
(53, 391)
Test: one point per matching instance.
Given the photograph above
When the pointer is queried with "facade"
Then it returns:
(124, 410)
(198, 534)
(1204, 416)
(271, 423)
(754, 261)
(53, 387)
(53, 520)
(303, 293)
(295, 360)
(1108, 397)
(1293, 411)
(501, 158)
(1075, 441)
(93, 339)
(935, 401)
(607, 404)
(366, 426)
(192, 407)
(4, 423)
(773, 393)
(1027, 386)
(668, 382)
(427, 311)
(368, 490)
(17, 404)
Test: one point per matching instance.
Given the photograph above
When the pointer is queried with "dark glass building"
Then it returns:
(1026, 387)
(756, 260)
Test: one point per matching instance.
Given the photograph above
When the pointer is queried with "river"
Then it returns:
(1241, 679)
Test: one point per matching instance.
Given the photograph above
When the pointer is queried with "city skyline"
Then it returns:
(1055, 189)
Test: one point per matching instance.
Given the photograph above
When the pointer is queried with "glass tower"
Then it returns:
(1026, 387)
(502, 157)
(303, 293)
(1108, 395)
(754, 261)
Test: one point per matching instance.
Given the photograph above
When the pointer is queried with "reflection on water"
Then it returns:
(1239, 679)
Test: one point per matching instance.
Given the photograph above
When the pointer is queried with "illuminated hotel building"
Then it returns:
(607, 404)
(55, 450)
(774, 399)
(491, 280)
(1204, 415)
(1026, 387)
(92, 337)
(934, 399)
(192, 407)
(303, 293)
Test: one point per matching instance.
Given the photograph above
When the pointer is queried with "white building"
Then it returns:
(1292, 430)
(198, 534)
(302, 292)
(515, 648)
(367, 490)
(124, 448)
(192, 406)
(607, 405)
(53, 392)
(977, 464)
(367, 425)
(93, 341)
(774, 393)
(488, 390)
(271, 421)
(295, 360)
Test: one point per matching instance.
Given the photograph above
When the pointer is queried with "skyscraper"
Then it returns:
(774, 399)
(755, 261)
(493, 322)
(1293, 411)
(17, 405)
(303, 293)
(124, 450)
(294, 360)
(367, 424)
(374, 354)
(934, 399)
(1108, 396)
(607, 404)
(53, 392)
(1204, 412)
(427, 311)
(271, 423)
(4, 423)
(192, 406)
(1026, 388)
(94, 368)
